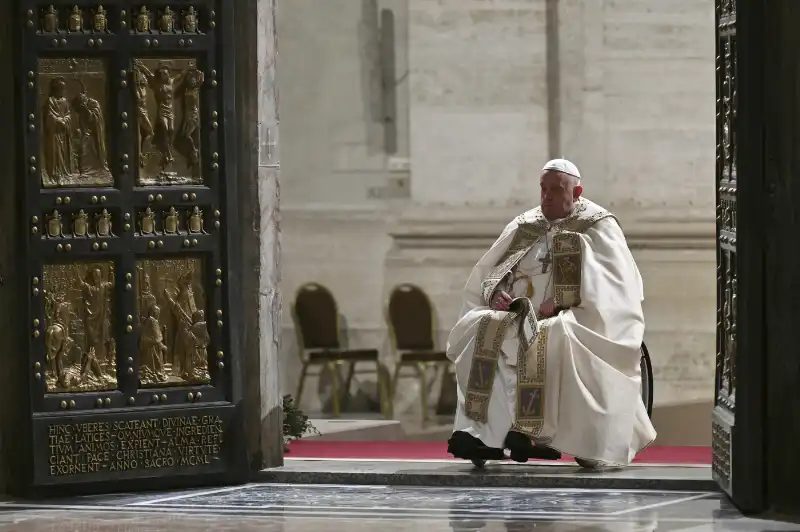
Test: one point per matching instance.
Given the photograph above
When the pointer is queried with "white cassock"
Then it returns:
(571, 381)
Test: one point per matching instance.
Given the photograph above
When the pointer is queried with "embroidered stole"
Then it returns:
(532, 335)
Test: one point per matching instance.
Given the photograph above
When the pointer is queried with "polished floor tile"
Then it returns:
(298, 508)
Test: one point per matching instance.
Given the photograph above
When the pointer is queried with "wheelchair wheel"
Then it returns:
(647, 380)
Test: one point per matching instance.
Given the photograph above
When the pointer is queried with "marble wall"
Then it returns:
(485, 93)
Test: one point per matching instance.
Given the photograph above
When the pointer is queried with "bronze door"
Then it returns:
(739, 392)
(126, 198)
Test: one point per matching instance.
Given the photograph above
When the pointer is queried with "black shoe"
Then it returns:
(522, 449)
(467, 447)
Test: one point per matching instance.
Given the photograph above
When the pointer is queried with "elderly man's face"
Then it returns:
(559, 192)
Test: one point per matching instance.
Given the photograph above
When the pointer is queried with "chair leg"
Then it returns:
(383, 392)
(395, 379)
(349, 382)
(334, 369)
(301, 385)
(423, 385)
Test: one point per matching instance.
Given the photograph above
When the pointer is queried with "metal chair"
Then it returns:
(412, 327)
(316, 318)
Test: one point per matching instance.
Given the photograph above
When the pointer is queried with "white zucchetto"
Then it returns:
(564, 166)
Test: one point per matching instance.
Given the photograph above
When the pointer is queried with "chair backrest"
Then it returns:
(316, 316)
(411, 318)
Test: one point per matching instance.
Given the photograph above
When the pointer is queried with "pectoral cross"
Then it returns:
(546, 262)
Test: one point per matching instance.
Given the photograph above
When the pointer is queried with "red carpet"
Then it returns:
(415, 450)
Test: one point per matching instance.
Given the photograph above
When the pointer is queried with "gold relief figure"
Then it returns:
(79, 343)
(143, 20)
(75, 22)
(92, 156)
(73, 142)
(168, 93)
(54, 227)
(50, 20)
(200, 341)
(174, 287)
(80, 224)
(166, 22)
(190, 128)
(97, 312)
(146, 296)
(141, 83)
(103, 223)
(190, 20)
(100, 20)
(196, 220)
(171, 221)
(57, 340)
(151, 348)
(59, 163)
(147, 222)
(183, 307)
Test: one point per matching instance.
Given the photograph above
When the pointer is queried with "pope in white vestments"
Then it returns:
(547, 350)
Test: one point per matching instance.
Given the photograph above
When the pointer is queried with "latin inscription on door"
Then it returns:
(127, 447)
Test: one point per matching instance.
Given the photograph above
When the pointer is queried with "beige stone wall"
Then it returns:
(634, 109)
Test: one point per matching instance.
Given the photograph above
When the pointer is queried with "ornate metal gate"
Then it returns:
(124, 109)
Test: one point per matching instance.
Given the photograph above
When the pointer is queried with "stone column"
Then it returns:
(259, 225)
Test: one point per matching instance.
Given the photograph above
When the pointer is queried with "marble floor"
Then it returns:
(307, 508)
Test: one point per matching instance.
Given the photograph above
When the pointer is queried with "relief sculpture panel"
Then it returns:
(73, 110)
(168, 114)
(173, 339)
(79, 333)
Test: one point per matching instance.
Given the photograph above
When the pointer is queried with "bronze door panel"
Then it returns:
(73, 112)
(78, 330)
(173, 337)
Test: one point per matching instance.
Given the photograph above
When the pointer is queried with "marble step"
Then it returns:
(498, 474)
